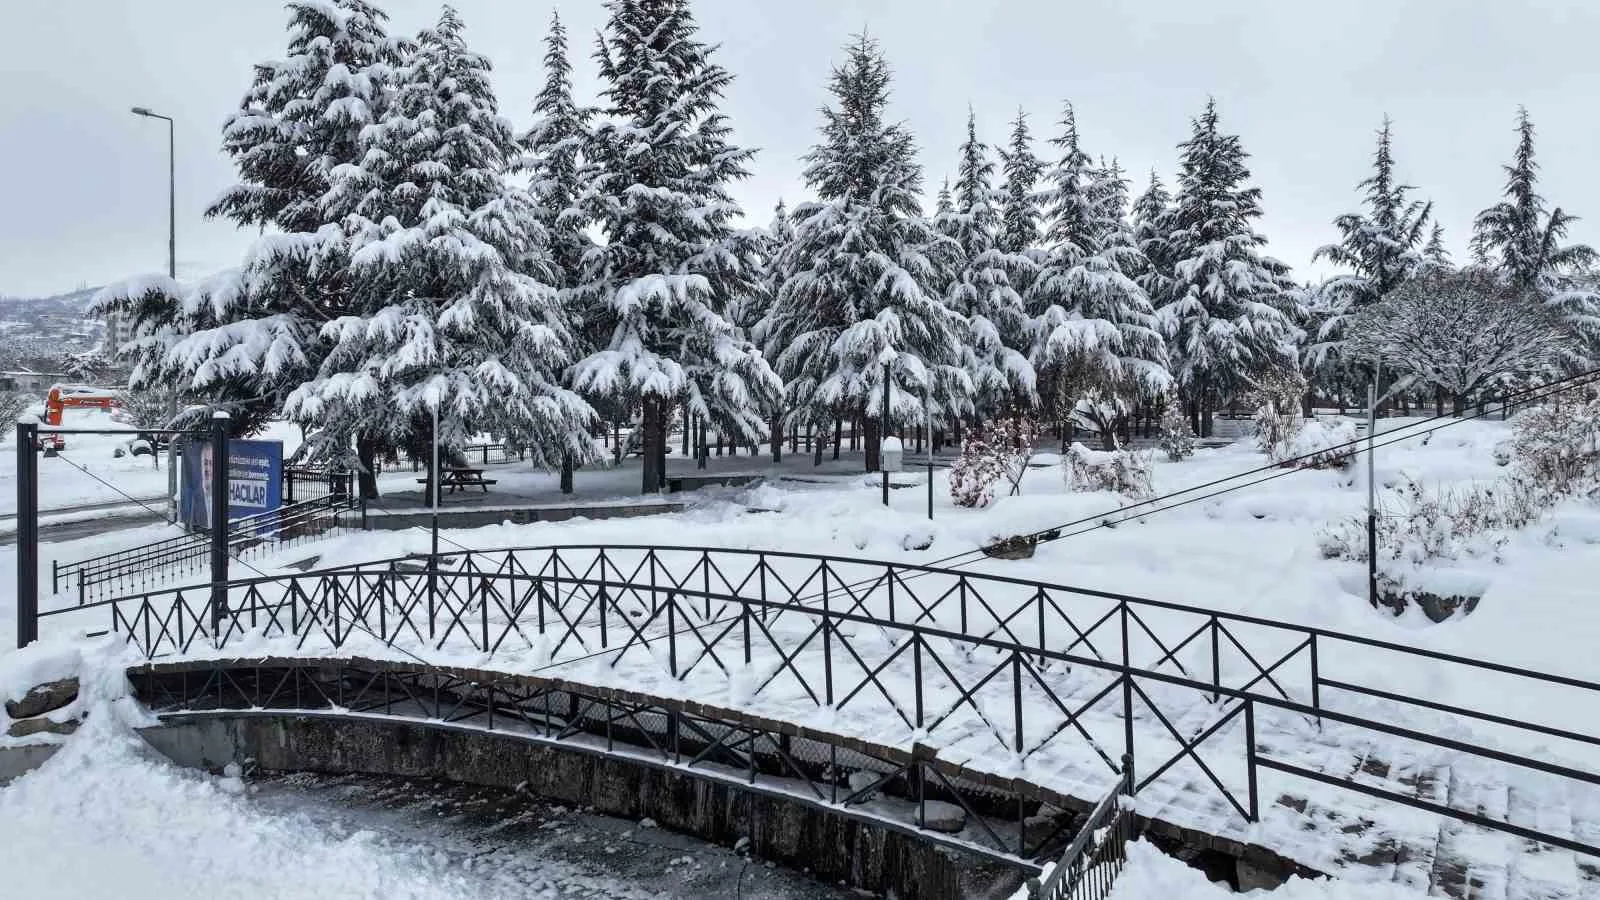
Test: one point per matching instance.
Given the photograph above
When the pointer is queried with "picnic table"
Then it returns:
(453, 480)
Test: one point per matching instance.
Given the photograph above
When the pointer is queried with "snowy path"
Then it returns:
(106, 817)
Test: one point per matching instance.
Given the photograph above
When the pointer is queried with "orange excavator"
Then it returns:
(63, 397)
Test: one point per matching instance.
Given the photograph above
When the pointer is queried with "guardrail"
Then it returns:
(1089, 867)
(983, 663)
(139, 568)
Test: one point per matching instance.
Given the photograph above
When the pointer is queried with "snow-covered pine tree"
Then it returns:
(1382, 246)
(552, 159)
(863, 273)
(240, 341)
(1223, 314)
(1095, 340)
(659, 285)
(1150, 225)
(997, 327)
(1020, 214)
(1524, 238)
(441, 317)
(757, 317)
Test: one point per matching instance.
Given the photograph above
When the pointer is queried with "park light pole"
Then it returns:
(172, 188)
(172, 273)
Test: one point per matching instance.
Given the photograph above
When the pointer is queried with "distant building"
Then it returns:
(119, 331)
(26, 381)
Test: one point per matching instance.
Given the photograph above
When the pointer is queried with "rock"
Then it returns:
(946, 817)
(44, 698)
(28, 727)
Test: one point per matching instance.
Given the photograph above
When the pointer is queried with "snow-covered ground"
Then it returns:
(107, 817)
(1251, 551)
(1152, 875)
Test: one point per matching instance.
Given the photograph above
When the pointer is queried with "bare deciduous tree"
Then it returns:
(1462, 330)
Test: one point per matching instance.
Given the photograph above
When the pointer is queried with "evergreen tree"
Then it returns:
(1019, 205)
(553, 149)
(1224, 312)
(1383, 247)
(757, 316)
(442, 318)
(242, 340)
(1095, 337)
(1523, 238)
(864, 273)
(981, 290)
(1520, 234)
(659, 286)
(1150, 220)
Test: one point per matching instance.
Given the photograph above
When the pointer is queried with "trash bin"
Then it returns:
(892, 454)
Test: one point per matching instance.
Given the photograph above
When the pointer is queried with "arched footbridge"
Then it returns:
(979, 713)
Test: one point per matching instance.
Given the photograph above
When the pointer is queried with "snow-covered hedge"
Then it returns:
(1125, 472)
(1177, 438)
(999, 451)
(1557, 444)
(1417, 524)
(1321, 445)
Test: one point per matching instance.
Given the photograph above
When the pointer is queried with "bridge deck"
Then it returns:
(986, 683)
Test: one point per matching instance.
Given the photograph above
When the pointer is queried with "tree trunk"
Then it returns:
(871, 434)
(838, 437)
(814, 442)
(653, 443)
(367, 478)
(1459, 405)
(686, 436)
(566, 473)
(777, 439)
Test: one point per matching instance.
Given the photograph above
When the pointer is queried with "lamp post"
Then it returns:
(172, 268)
(172, 188)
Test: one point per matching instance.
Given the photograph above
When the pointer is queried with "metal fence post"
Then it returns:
(219, 521)
(27, 532)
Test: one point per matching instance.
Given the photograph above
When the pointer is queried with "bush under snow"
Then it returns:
(1177, 438)
(1321, 445)
(999, 451)
(1125, 472)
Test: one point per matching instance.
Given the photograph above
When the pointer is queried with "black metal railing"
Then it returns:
(1089, 867)
(303, 483)
(143, 567)
(1047, 676)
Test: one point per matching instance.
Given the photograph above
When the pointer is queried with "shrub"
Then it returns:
(1177, 438)
(1123, 471)
(1557, 444)
(1322, 445)
(1277, 418)
(1426, 523)
(999, 451)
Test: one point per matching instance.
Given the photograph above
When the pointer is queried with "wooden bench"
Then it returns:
(679, 483)
(459, 480)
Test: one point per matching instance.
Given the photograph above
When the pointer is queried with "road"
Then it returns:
(91, 526)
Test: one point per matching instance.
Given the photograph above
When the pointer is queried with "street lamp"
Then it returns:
(172, 189)
(172, 273)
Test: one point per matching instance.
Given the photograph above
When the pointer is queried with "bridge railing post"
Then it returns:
(1216, 660)
(1316, 681)
(1250, 756)
(219, 523)
(1127, 698)
(27, 533)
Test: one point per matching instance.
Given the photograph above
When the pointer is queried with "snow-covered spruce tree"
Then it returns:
(1381, 246)
(755, 315)
(1223, 313)
(240, 341)
(441, 315)
(1002, 377)
(659, 284)
(1523, 238)
(552, 159)
(1464, 331)
(1020, 213)
(1150, 220)
(1177, 438)
(863, 273)
(1095, 340)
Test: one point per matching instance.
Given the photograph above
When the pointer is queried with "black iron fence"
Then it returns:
(1045, 676)
(302, 483)
(1091, 863)
(140, 568)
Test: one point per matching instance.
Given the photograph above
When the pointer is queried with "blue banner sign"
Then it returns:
(255, 481)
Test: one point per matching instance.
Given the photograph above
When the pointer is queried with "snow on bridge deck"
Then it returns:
(1010, 678)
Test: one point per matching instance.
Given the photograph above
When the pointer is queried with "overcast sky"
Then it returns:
(1305, 82)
